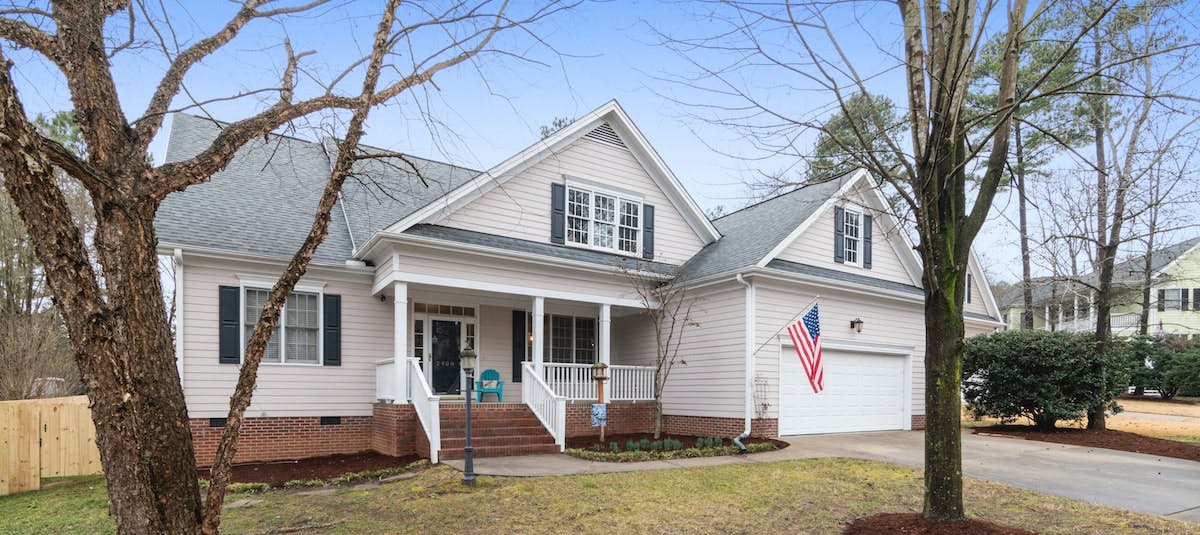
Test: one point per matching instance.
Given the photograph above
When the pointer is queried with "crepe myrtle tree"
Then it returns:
(113, 307)
(668, 308)
(763, 54)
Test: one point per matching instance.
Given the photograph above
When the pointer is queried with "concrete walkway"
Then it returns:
(1142, 483)
(1162, 417)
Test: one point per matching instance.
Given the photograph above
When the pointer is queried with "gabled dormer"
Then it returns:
(594, 185)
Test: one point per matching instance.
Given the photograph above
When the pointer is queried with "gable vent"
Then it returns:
(605, 134)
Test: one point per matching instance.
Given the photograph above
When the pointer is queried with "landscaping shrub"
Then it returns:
(614, 447)
(631, 446)
(644, 444)
(1041, 375)
(1185, 372)
(1151, 359)
(656, 445)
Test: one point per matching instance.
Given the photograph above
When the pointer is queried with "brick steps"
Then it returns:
(497, 430)
(500, 451)
(477, 432)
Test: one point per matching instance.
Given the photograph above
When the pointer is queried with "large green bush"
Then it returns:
(1041, 375)
(1151, 359)
(1185, 372)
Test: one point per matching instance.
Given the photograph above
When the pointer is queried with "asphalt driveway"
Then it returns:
(1143, 483)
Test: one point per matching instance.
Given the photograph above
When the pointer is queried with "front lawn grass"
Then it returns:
(807, 496)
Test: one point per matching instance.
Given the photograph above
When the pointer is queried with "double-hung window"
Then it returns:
(570, 340)
(299, 327)
(605, 221)
(852, 237)
(1173, 299)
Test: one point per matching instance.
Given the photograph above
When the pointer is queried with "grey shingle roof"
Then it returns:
(854, 278)
(1128, 273)
(750, 233)
(263, 202)
(537, 248)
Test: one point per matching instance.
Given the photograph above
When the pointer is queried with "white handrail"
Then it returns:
(426, 406)
(550, 408)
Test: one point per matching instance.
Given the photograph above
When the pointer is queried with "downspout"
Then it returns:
(749, 367)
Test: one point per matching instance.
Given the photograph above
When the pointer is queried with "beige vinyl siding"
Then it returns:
(283, 389)
(520, 207)
(495, 348)
(712, 382)
(815, 246)
(977, 304)
(885, 322)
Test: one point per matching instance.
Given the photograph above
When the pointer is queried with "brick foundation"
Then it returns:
(622, 418)
(394, 428)
(918, 422)
(274, 439)
(704, 426)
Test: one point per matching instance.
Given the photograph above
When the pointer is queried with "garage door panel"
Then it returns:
(863, 392)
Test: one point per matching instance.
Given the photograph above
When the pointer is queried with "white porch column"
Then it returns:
(539, 335)
(400, 340)
(1046, 315)
(605, 341)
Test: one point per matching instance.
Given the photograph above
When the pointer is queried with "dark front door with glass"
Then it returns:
(447, 336)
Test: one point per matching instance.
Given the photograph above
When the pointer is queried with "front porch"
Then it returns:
(542, 348)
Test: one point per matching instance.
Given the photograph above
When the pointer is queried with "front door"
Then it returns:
(447, 336)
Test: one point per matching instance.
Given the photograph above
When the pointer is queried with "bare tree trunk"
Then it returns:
(1104, 251)
(120, 337)
(1023, 223)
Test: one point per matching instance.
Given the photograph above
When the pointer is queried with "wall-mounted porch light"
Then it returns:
(856, 325)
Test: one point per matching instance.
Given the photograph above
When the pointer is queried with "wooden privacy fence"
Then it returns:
(50, 437)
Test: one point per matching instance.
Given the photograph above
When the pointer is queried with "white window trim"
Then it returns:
(1178, 301)
(252, 283)
(591, 218)
(858, 251)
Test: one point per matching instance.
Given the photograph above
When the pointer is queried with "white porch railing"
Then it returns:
(1121, 324)
(385, 381)
(550, 408)
(571, 381)
(426, 406)
(625, 383)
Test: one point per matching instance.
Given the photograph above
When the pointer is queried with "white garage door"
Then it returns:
(863, 392)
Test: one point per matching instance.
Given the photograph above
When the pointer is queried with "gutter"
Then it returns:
(749, 367)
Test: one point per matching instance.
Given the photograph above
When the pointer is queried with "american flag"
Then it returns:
(806, 336)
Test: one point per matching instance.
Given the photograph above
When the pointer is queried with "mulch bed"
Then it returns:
(1108, 439)
(276, 473)
(912, 523)
(586, 442)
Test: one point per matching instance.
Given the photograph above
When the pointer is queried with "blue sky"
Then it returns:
(491, 109)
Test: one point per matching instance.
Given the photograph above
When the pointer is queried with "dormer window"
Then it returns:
(852, 237)
(601, 220)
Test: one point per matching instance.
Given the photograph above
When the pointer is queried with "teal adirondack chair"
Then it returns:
(489, 383)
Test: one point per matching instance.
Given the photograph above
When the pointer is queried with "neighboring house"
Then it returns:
(529, 263)
(1069, 305)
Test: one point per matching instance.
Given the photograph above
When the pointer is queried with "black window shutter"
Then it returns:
(866, 241)
(333, 329)
(1162, 300)
(1195, 298)
(229, 339)
(518, 344)
(1183, 299)
(839, 234)
(648, 232)
(969, 281)
(558, 213)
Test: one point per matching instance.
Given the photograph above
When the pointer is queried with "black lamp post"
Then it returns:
(467, 361)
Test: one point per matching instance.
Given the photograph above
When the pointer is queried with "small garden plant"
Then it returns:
(646, 449)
